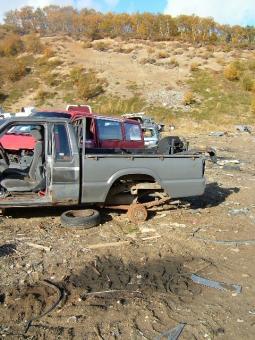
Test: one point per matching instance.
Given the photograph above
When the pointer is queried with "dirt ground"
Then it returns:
(139, 287)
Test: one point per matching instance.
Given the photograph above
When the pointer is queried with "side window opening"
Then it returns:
(132, 132)
(62, 146)
(89, 129)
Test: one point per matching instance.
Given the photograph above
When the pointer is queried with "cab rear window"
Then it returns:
(109, 129)
(132, 132)
(62, 147)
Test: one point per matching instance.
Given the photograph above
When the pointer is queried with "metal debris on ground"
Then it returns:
(216, 284)
(227, 242)
(61, 295)
(228, 161)
(236, 212)
(232, 167)
(173, 333)
(243, 128)
(217, 133)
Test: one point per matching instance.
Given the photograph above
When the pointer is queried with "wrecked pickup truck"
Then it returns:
(61, 172)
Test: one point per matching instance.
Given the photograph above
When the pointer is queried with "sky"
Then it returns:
(234, 12)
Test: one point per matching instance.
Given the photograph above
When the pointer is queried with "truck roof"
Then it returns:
(61, 119)
(35, 119)
(97, 116)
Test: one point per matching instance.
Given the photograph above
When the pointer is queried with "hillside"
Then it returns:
(172, 81)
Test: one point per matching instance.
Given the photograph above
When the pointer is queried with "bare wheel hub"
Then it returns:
(137, 213)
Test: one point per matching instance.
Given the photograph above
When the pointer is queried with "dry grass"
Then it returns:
(194, 67)
(33, 43)
(174, 62)
(11, 45)
(144, 61)
(189, 98)
(125, 50)
(43, 95)
(87, 44)
(248, 82)
(163, 54)
(232, 72)
(102, 46)
(150, 50)
(253, 104)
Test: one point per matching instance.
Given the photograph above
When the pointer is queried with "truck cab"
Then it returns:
(104, 133)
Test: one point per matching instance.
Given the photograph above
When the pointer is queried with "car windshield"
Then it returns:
(52, 114)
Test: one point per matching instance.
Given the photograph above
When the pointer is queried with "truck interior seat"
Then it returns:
(28, 179)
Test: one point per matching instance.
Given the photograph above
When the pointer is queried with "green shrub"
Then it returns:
(76, 73)
(89, 87)
(86, 83)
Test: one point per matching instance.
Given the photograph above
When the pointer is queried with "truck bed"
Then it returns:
(179, 175)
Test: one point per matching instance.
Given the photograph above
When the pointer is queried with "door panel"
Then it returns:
(65, 166)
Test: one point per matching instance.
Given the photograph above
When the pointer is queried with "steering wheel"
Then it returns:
(4, 155)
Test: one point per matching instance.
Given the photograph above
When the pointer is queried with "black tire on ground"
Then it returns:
(86, 218)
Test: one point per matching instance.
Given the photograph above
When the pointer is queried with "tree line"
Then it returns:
(90, 24)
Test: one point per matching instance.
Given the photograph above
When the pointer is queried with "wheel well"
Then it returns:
(135, 178)
(127, 181)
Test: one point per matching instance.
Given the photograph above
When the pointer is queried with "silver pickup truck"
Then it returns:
(62, 171)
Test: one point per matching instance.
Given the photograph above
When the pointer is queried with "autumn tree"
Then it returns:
(90, 24)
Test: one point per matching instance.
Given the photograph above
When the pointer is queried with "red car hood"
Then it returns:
(17, 142)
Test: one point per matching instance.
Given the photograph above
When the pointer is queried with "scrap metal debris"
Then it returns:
(112, 291)
(217, 133)
(227, 242)
(228, 161)
(38, 246)
(61, 295)
(243, 128)
(235, 212)
(173, 333)
(216, 284)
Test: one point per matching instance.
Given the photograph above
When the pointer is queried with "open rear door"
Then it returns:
(65, 178)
